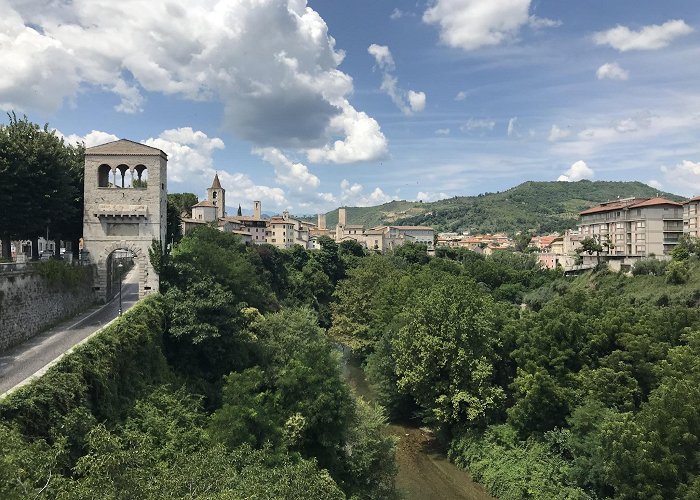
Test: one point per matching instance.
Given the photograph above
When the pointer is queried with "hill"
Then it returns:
(538, 206)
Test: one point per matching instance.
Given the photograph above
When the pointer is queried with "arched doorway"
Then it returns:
(121, 264)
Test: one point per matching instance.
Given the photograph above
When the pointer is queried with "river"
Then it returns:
(424, 471)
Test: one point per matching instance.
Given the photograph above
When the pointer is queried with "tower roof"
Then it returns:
(216, 184)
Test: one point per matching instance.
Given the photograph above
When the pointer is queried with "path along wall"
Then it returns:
(31, 302)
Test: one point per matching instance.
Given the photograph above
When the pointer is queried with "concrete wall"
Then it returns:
(29, 304)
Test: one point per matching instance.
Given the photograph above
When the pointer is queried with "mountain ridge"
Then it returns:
(535, 206)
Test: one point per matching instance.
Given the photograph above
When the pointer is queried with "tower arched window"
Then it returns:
(140, 180)
(103, 172)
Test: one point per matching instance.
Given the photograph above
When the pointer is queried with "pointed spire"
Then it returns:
(240, 212)
(216, 184)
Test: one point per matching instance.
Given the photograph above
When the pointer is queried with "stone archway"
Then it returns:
(146, 274)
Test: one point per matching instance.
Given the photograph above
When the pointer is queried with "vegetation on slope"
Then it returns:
(591, 391)
(538, 206)
(224, 386)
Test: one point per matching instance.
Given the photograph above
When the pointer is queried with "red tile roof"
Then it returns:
(654, 202)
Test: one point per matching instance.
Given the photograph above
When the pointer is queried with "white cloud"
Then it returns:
(612, 71)
(557, 134)
(577, 172)
(478, 124)
(189, 153)
(408, 102)
(442, 131)
(92, 138)
(398, 14)
(512, 132)
(538, 23)
(382, 55)
(655, 184)
(276, 91)
(461, 95)
(295, 176)
(240, 188)
(426, 196)
(471, 24)
(684, 177)
(416, 100)
(650, 37)
(363, 139)
(639, 127)
(353, 194)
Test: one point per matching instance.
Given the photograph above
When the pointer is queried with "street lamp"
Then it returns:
(121, 267)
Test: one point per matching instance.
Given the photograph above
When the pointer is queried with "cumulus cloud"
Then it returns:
(353, 194)
(408, 102)
(92, 138)
(276, 91)
(685, 176)
(295, 176)
(471, 24)
(426, 196)
(577, 172)
(557, 134)
(655, 36)
(442, 131)
(189, 152)
(461, 95)
(359, 139)
(612, 71)
(478, 125)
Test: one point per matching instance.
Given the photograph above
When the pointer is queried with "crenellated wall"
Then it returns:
(29, 304)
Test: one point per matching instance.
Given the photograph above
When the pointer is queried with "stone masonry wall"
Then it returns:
(29, 304)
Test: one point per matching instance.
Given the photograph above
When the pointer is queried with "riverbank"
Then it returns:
(425, 473)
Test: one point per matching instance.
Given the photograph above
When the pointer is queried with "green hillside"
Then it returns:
(538, 206)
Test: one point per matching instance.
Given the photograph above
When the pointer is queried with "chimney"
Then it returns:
(341, 216)
(257, 210)
(321, 221)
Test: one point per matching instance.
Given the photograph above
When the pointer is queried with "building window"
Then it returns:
(641, 224)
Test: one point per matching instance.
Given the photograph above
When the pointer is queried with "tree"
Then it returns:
(590, 246)
(183, 202)
(41, 184)
(446, 354)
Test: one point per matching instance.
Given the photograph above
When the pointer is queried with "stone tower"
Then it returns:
(125, 209)
(217, 195)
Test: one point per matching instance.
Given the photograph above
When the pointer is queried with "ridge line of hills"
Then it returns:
(538, 207)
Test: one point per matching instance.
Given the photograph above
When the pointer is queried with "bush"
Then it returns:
(100, 378)
(649, 267)
(677, 273)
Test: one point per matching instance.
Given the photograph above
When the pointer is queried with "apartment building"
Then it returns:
(633, 228)
(691, 217)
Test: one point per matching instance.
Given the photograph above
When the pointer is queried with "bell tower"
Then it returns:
(217, 195)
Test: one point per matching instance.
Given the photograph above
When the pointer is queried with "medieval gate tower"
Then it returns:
(125, 209)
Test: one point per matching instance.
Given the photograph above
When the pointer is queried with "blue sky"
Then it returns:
(312, 105)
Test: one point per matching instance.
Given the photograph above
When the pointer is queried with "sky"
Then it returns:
(310, 105)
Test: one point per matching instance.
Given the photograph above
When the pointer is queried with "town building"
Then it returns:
(633, 228)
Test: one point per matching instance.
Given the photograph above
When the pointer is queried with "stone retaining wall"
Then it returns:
(29, 304)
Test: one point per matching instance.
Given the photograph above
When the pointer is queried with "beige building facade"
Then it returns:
(633, 228)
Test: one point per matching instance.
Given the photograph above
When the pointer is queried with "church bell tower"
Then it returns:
(217, 195)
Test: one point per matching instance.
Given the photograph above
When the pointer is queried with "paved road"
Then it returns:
(21, 362)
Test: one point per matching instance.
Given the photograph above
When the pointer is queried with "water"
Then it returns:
(424, 471)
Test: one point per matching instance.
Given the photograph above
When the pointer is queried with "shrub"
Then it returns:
(651, 267)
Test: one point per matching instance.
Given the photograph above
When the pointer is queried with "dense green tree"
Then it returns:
(445, 354)
(182, 202)
(41, 184)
